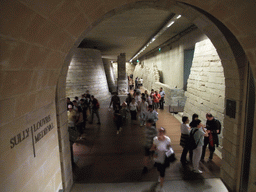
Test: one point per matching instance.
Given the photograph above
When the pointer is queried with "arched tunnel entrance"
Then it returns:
(234, 65)
(38, 39)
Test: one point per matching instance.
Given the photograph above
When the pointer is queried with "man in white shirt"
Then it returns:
(162, 93)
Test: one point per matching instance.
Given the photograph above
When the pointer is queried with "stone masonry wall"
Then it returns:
(86, 72)
(130, 69)
(110, 75)
(151, 77)
(206, 84)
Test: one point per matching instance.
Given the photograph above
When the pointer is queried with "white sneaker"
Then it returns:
(198, 171)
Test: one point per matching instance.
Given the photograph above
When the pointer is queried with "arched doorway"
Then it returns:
(234, 64)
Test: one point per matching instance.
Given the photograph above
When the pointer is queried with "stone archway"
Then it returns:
(37, 36)
(234, 64)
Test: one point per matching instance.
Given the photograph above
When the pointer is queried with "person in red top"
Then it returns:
(156, 98)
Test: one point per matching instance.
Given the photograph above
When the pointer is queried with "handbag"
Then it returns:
(169, 157)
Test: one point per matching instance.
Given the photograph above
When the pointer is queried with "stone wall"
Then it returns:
(122, 80)
(110, 75)
(170, 61)
(86, 72)
(173, 96)
(149, 75)
(130, 68)
(206, 83)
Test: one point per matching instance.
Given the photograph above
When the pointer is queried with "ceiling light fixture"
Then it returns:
(169, 24)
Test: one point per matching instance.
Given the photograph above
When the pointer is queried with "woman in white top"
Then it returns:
(143, 108)
(185, 130)
(161, 144)
(133, 109)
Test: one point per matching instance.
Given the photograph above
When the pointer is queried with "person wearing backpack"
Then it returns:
(197, 133)
(213, 127)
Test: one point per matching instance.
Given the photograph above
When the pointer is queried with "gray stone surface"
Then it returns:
(122, 81)
(206, 84)
(86, 72)
(110, 75)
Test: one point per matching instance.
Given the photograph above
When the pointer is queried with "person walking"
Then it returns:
(213, 127)
(137, 97)
(161, 144)
(185, 130)
(162, 94)
(115, 100)
(95, 109)
(88, 101)
(150, 133)
(156, 98)
(79, 118)
(143, 107)
(118, 119)
(152, 114)
(152, 97)
(133, 110)
(198, 133)
(128, 99)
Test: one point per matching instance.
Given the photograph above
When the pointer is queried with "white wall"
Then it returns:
(170, 60)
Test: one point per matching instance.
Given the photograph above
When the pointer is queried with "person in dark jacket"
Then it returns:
(115, 100)
(95, 109)
(213, 127)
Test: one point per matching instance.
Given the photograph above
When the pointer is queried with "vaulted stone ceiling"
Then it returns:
(129, 31)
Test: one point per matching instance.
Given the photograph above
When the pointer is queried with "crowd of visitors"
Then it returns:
(143, 106)
(80, 110)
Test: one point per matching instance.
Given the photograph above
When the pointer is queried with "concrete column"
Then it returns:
(86, 72)
(122, 82)
(110, 75)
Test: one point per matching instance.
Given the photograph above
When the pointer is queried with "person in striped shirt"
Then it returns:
(150, 133)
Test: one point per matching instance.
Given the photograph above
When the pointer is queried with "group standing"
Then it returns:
(200, 136)
(80, 111)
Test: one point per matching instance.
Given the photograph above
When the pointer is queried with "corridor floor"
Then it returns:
(107, 161)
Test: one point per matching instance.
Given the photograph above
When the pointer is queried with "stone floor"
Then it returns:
(105, 161)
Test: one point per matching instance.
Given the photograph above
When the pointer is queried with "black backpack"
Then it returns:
(191, 141)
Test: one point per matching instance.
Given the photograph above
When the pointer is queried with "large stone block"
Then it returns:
(206, 84)
(87, 73)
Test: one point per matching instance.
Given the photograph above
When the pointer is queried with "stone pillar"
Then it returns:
(110, 75)
(86, 72)
(122, 82)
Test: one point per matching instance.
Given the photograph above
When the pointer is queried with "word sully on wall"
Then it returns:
(38, 130)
